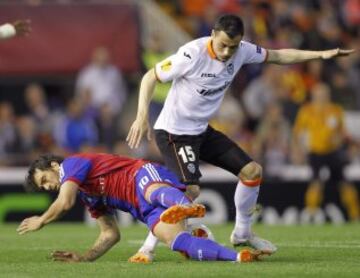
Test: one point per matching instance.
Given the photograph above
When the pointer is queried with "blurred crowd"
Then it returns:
(259, 111)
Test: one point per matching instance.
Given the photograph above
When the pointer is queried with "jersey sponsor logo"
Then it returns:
(230, 68)
(204, 74)
(166, 65)
(187, 55)
(209, 92)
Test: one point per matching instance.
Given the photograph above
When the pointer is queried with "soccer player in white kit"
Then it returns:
(200, 72)
(17, 28)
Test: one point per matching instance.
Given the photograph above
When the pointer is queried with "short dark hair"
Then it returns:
(42, 163)
(231, 24)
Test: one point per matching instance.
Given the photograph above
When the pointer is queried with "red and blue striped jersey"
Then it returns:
(105, 181)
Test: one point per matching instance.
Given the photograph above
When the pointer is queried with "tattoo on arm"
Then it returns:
(108, 237)
(101, 246)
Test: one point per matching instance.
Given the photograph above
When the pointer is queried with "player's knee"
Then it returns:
(252, 173)
(192, 191)
(150, 190)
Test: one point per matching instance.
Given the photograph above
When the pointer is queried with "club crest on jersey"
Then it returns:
(191, 168)
(230, 68)
(166, 65)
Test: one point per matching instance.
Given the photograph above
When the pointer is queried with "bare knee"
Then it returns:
(168, 232)
(153, 188)
(192, 191)
(251, 172)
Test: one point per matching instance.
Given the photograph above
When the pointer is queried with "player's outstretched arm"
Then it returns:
(292, 56)
(64, 202)
(141, 123)
(17, 28)
(109, 236)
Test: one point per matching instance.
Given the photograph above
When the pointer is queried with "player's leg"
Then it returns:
(220, 151)
(181, 156)
(160, 187)
(348, 193)
(201, 249)
(314, 191)
(157, 186)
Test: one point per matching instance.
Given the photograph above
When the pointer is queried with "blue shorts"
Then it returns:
(149, 174)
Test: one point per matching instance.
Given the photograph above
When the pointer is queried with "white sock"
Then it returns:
(245, 199)
(149, 244)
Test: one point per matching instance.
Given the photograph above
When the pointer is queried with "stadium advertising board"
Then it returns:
(282, 202)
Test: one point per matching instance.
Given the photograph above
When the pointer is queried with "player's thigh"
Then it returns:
(152, 176)
(181, 155)
(217, 149)
(317, 162)
(337, 161)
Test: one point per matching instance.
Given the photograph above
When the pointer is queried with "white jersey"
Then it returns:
(199, 84)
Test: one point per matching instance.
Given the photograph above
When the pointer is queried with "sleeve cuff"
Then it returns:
(157, 76)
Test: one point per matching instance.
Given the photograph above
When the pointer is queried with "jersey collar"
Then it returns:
(210, 49)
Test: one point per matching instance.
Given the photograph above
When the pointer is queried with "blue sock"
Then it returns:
(202, 249)
(168, 196)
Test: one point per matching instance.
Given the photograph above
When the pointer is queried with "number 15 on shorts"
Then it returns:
(187, 154)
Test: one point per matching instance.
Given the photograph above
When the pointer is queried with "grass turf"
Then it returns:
(304, 251)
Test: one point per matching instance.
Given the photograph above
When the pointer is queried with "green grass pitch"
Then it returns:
(304, 251)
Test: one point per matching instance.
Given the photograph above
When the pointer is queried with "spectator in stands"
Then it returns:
(319, 130)
(154, 53)
(272, 140)
(75, 130)
(260, 92)
(41, 114)
(107, 127)
(39, 111)
(7, 131)
(26, 135)
(102, 82)
(230, 119)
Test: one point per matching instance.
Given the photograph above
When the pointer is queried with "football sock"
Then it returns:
(149, 244)
(245, 199)
(168, 196)
(202, 249)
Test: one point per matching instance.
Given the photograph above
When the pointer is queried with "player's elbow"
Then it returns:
(150, 77)
(67, 204)
(112, 236)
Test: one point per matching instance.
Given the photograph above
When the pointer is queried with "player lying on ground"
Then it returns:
(17, 28)
(150, 192)
(201, 72)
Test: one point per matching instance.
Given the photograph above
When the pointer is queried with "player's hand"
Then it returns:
(137, 130)
(30, 224)
(66, 256)
(22, 27)
(337, 52)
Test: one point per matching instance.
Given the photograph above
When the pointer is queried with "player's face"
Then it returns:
(223, 46)
(48, 179)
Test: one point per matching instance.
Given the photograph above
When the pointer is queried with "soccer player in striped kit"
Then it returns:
(105, 182)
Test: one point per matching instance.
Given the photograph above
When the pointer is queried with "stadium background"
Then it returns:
(40, 110)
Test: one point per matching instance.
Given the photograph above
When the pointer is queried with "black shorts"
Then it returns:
(182, 153)
(334, 161)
